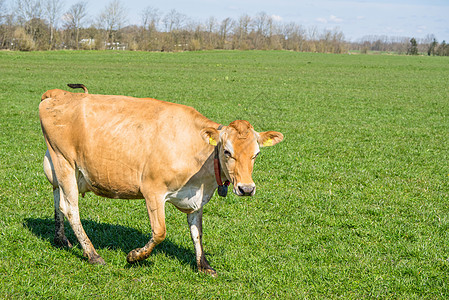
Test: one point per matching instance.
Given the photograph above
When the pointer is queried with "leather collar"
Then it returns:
(222, 187)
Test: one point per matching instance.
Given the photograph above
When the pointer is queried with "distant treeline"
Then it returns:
(402, 45)
(45, 25)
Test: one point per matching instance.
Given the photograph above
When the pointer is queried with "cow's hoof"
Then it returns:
(209, 271)
(96, 260)
(62, 242)
(134, 256)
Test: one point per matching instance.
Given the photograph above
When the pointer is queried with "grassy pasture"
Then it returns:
(353, 204)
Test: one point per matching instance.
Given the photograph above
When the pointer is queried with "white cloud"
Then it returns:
(422, 29)
(335, 19)
(276, 18)
(331, 19)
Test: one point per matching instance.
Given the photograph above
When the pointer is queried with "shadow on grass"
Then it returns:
(115, 237)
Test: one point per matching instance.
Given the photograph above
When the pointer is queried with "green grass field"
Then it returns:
(353, 203)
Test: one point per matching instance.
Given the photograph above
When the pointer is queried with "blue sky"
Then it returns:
(355, 18)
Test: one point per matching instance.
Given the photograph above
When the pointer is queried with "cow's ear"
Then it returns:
(270, 138)
(210, 135)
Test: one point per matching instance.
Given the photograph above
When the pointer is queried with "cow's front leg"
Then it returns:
(156, 212)
(195, 221)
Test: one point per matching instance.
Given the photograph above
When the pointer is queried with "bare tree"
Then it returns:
(53, 9)
(330, 41)
(224, 31)
(174, 20)
(113, 19)
(241, 31)
(294, 36)
(262, 27)
(2, 28)
(74, 19)
(2, 11)
(211, 24)
(150, 18)
(7, 27)
(211, 29)
(29, 14)
(428, 44)
(27, 10)
(150, 21)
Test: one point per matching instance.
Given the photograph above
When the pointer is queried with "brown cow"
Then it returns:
(133, 148)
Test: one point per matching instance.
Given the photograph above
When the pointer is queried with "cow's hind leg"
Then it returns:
(68, 205)
(156, 211)
(195, 221)
(60, 238)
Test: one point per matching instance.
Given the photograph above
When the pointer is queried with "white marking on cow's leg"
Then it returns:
(156, 212)
(60, 238)
(49, 170)
(68, 204)
(195, 221)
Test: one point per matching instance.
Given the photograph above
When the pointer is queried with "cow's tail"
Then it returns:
(78, 86)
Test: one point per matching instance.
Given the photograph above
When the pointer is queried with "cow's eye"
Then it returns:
(227, 153)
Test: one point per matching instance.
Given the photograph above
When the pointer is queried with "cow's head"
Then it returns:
(238, 145)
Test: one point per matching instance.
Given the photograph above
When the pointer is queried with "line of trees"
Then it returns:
(402, 45)
(46, 25)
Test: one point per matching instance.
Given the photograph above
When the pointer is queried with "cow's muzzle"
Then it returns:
(245, 189)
